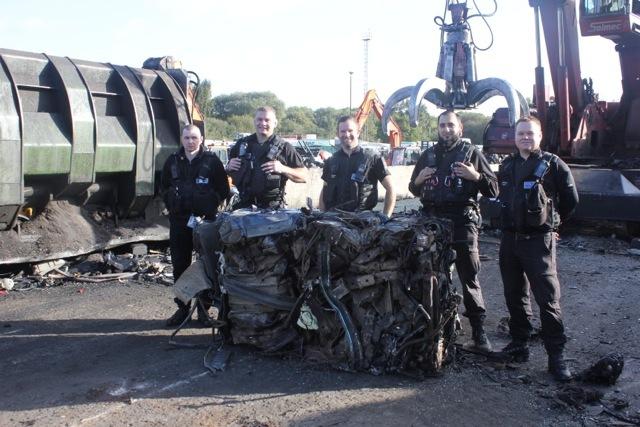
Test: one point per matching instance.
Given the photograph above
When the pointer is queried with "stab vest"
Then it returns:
(359, 187)
(193, 196)
(443, 187)
(527, 203)
(251, 180)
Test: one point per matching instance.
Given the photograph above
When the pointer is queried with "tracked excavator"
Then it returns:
(82, 145)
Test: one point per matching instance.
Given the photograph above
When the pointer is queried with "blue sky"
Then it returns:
(300, 50)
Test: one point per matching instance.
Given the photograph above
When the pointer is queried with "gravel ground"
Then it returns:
(97, 354)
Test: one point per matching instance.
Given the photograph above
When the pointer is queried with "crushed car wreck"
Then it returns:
(352, 290)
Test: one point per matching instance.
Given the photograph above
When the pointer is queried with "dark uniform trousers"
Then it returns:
(181, 244)
(205, 239)
(535, 256)
(468, 266)
(465, 243)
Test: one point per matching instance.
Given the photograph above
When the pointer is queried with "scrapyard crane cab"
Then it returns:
(618, 20)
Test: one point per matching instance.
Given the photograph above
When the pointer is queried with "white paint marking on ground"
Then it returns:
(74, 334)
(124, 388)
(183, 382)
(120, 390)
(147, 395)
(12, 332)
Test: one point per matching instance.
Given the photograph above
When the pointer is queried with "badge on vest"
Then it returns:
(528, 185)
(358, 176)
(273, 151)
(200, 180)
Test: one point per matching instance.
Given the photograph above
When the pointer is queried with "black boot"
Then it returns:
(180, 315)
(480, 340)
(558, 367)
(517, 350)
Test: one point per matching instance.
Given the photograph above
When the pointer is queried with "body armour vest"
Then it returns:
(251, 180)
(527, 198)
(356, 195)
(443, 187)
(193, 196)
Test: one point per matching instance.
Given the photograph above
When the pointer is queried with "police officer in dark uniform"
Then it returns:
(447, 178)
(351, 176)
(261, 163)
(193, 185)
(537, 193)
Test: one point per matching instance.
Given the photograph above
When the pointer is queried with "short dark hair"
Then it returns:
(344, 119)
(449, 111)
(190, 126)
(529, 119)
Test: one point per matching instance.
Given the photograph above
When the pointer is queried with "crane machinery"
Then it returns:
(599, 140)
(456, 85)
(372, 103)
(86, 132)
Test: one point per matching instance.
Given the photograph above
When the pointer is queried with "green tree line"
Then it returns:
(230, 114)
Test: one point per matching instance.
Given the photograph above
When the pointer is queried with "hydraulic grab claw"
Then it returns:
(455, 85)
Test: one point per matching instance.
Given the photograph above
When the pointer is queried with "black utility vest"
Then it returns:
(251, 180)
(443, 188)
(527, 195)
(355, 196)
(190, 195)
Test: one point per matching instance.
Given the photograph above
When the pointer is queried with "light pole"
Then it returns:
(350, 89)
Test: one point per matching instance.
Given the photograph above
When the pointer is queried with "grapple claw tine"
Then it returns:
(394, 99)
(481, 90)
(424, 88)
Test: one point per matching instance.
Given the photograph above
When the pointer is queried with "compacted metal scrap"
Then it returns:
(353, 290)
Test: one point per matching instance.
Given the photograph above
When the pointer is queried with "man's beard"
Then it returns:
(448, 143)
(347, 141)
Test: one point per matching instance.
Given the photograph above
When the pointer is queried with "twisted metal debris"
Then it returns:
(352, 290)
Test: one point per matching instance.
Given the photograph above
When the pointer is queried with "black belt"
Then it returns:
(453, 205)
(448, 209)
(526, 236)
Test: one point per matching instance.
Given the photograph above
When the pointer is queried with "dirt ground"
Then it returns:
(97, 354)
(66, 230)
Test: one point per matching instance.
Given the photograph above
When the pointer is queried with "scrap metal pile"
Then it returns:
(140, 264)
(349, 289)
